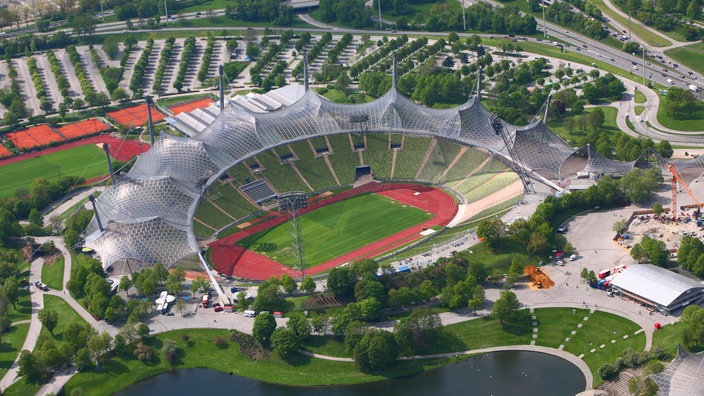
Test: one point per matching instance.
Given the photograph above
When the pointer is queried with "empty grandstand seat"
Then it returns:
(258, 190)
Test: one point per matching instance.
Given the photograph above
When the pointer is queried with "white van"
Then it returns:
(669, 81)
(249, 313)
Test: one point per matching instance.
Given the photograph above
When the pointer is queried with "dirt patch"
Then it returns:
(244, 225)
(540, 279)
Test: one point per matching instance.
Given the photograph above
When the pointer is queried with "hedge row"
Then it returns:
(163, 62)
(207, 57)
(189, 47)
(86, 85)
(314, 52)
(61, 81)
(44, 102)
(336, 51)
(378, 55)
(139, 68)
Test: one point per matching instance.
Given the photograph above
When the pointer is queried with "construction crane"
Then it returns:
(677, 178)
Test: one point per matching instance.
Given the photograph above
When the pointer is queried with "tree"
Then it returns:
(657, 209)
(308, 285)
(417, 331)
(143, 331)
(376, 351)
(125, 284)
(288, 283)
(170, 350)
(263, 328)
(300, 326)
(341, 281)
(30, 367)
(506, 307)
(199, 284)
(285, 342)
(664, 149)
(99, 345)
(269, 297)
(10, 289)
(693, 332)
(144, 353)
(119, 95)
(180, 305)
(49, 319)
(650, 250)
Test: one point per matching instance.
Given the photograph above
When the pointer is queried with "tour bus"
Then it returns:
(206, 300)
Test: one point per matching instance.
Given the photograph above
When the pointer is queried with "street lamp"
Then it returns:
(643, 45)
(166, 12)
(58, 170)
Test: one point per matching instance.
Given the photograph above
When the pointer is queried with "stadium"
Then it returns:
(188, 189)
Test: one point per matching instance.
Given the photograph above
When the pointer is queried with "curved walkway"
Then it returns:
(532, 348)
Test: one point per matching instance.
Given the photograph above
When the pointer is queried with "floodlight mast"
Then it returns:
(107, 154)
(501, 131)
(150, 124)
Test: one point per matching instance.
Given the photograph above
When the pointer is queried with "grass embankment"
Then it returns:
(692, 121)
(12, 342)
(639, 110)
(691, 56)
(23, 309)
(83, 161)
(53, 274)
(336, 229)
(644, 34)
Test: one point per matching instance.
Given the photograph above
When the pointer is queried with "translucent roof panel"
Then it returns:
(184, 160)
(540, 149)
(597, 162)
(132, 199)
(683, 376)
(654, 283)
(150, 241)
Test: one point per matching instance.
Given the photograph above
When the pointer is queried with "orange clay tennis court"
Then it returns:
(40, 135)
(135, 116)
(190, 106)
(82, 128)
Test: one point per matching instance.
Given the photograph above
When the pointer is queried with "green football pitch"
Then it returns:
(83, 161)
(336, 229)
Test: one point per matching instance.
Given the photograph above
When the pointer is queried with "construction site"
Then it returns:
(681, 214)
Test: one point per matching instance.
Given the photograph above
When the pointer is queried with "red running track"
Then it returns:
(231, 259)
(120, 149)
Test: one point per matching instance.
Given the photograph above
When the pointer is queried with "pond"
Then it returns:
(499, 373)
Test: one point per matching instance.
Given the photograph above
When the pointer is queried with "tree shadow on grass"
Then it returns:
(520, 325)
(297, 359)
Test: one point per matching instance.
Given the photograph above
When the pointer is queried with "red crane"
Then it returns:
(677, 178)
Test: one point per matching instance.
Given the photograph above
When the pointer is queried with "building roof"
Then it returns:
(654, 283)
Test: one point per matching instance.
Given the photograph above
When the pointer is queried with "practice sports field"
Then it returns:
(86, 161)
(336, 229)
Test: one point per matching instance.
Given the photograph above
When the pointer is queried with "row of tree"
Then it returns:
(140, 68)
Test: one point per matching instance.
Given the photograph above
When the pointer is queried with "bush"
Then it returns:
(607, 371)
(144, 353)
(220, 342)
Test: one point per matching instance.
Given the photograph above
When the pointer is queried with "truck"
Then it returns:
(693, 88)
(206, 300)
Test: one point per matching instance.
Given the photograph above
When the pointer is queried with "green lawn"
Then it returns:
(24, 307)
(53, 275)
(66, 315)
(12, 341)
(556, 324)
(84, 161)
(640, 97)
(668, 336)
(646, 35)
(200, 351)
(639, 110)
(561, 126)
(693, 121)
(691, 56)
(336, 229)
